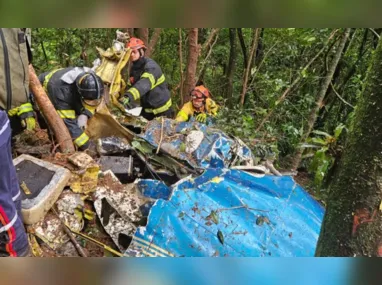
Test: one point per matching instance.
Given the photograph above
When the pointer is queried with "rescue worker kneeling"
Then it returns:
(201, 106)
(75, 93)
(147, 84)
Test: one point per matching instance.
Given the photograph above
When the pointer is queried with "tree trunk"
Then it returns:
(143, 34)
(130, 31)
(340, 87)
(320, 98)
(294, 83)
(153, 41)
(260, 49)
(352, 224)
(181, 67)
(244, 49)
(255, 41)
(209, 41)
(206, 52)
(231, 63)
(54, 121)
(192, 61)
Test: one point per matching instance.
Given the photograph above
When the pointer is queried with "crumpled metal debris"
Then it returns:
(227, 212)
(214, 149)
(112, 145)
(118, 208)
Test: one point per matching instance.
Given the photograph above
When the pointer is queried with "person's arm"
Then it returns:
(184, 113)
(212, 107)
(80, 138)
(150, 78)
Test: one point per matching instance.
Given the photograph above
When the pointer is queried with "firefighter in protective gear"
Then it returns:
(13, 94)
(14, 99)
(147, 83)
(75, 93)
(201, 106)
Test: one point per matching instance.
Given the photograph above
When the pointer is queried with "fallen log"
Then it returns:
(54, 121)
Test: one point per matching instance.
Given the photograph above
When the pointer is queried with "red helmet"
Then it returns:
(135, 43)
(201, 92)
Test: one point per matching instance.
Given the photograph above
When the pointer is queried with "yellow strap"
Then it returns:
(67, 114)
(81, 140)
(150, 77)
(48, 77)
(182, 116)
(135, 93)
(25, 108)
(162, 109)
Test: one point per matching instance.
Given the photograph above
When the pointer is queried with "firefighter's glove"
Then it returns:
(29, 123)
(82, 121)
(126, 100)
(201, 118)
(26, 115)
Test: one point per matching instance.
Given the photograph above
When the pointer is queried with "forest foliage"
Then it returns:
(283, 81)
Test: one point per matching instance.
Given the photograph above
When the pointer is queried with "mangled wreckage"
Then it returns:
(170, 190)
(159, 188)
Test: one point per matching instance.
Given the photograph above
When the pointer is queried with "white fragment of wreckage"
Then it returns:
(69, 202)
(118, 210)
(50, 229)
(193, 140)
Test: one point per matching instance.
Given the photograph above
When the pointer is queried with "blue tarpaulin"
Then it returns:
(216, 150)
(227, 212)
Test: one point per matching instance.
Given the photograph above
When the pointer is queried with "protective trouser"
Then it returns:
(13, 238)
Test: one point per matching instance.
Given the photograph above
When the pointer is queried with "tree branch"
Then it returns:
(287, 91)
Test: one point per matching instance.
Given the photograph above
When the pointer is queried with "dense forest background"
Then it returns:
(290, 94)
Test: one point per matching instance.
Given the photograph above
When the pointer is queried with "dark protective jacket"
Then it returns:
(149, 85)
(61, 88)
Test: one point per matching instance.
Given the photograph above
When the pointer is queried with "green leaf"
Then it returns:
(260, 221)
(319, 141)
(317, 132)
(311, 39)
(213, 217)
(338, 130)
(220, 237)
(306, 145)
(182, 147)
(143, 147)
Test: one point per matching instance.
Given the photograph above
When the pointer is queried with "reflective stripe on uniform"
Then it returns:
(162, 109)
(25, 108)
(150, 77)
(67, 114)
(47, 78)
(134, 91)
(81, 140)
(159, 81)
(16, 196)
(9, 225)
(4, 127)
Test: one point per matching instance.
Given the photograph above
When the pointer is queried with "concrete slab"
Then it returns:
(41, 184)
